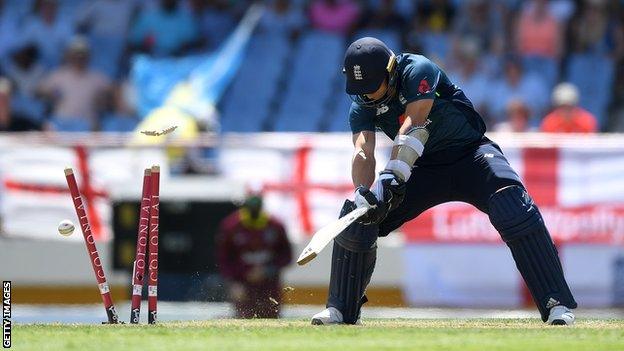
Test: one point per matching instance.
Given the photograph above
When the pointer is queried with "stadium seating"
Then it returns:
(296, 85)
(106, 52)
(70, 125)
(313, 98)
(436, 45)
(544, 67)
(247, 103)
(337, 117)
(118, 123)
(28, 106)
(311, 82)
(18, 8)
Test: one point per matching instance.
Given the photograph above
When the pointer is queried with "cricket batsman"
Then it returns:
(440, 154)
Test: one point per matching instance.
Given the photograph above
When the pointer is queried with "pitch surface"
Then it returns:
(297, 334)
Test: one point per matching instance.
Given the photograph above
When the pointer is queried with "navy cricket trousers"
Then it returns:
(472, 179)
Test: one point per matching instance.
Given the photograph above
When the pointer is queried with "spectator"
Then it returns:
(515, 84)
(596, 42)
(438, 15)
(24, 69)
(538, 33)
(48, 31)
(518, 115)
(252, 250)
(568, 117)
(337, 16)
(538, 40)
(77, 93)
(430, 28)
(478, 19)
(593, 30)
(10, 121)
(165, 30)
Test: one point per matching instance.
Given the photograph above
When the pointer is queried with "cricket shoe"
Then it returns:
(560, 315)
(330, 315)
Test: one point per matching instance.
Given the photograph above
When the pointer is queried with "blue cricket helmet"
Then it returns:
(367, 63)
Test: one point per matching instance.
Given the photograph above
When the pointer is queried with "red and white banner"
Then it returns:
(579, 192)
(576, 181)
(452, 255)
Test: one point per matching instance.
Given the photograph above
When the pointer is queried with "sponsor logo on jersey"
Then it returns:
(357, 72)
(424, 87)
(382, 109)
(401, 119)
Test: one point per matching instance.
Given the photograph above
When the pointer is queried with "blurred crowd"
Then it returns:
(555, 66)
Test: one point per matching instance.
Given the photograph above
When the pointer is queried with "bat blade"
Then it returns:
(326, 234)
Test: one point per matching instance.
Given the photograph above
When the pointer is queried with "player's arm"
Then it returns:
(363, 174)
(410, 142)
(408, 147)
(420, 82)
(363, 162)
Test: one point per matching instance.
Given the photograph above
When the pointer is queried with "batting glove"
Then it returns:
(377, 210)
(390, 189)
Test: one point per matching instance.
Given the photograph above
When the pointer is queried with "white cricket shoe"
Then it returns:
(560, 315)
(330, 315)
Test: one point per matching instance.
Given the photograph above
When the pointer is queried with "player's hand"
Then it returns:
(347, 207)
(390, 189)
(377, 210)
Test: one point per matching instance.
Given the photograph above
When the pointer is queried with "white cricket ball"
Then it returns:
(66, 227)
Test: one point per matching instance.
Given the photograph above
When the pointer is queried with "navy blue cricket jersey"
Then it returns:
(453, 124)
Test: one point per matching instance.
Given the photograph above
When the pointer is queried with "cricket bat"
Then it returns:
(321, 238)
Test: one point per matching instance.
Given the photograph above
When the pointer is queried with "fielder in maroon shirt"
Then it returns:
(252, 249)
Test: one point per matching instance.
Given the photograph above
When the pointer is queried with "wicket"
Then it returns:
(111, 313)
(152, 282)
(147, 232)
(138, 268)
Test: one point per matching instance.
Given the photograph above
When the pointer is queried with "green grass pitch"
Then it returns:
(290, 334)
